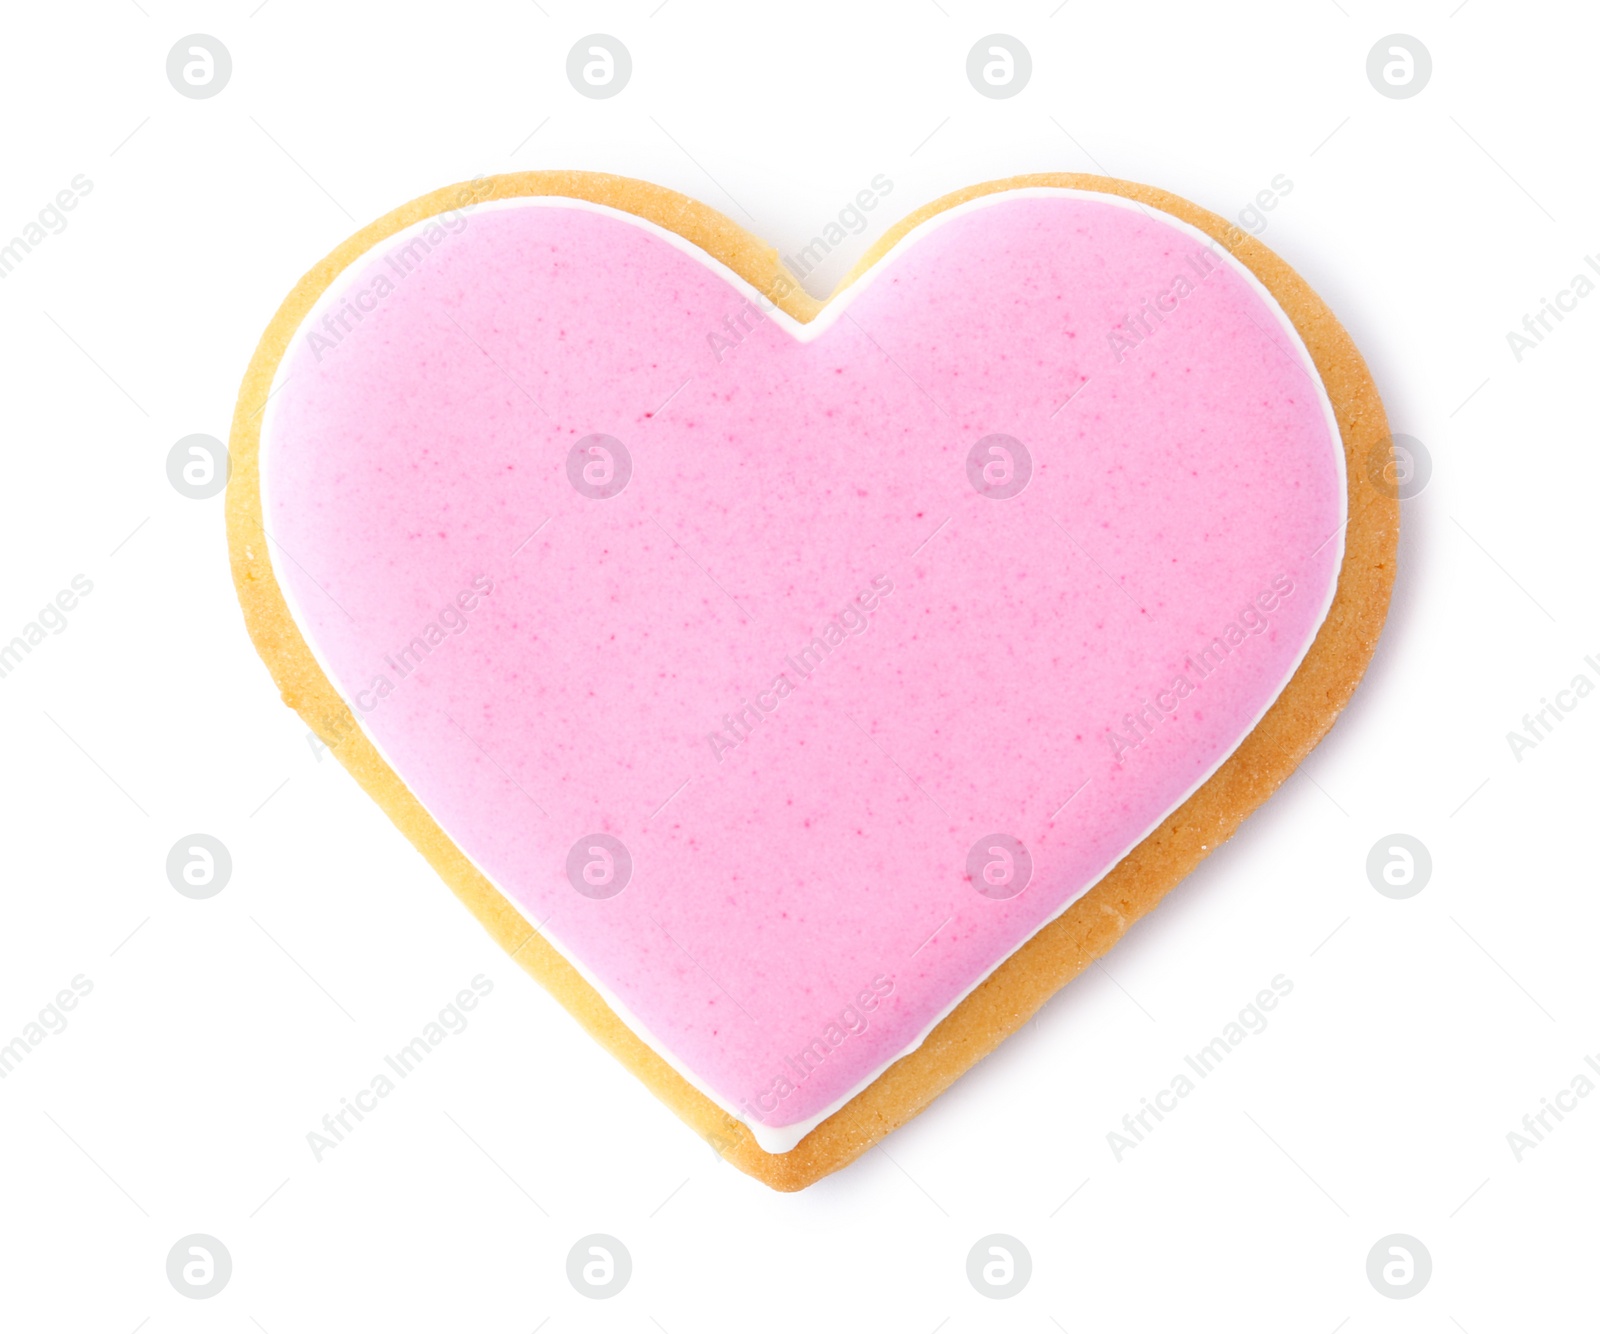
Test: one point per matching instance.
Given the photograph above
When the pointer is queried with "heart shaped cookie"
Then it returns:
(803, 692)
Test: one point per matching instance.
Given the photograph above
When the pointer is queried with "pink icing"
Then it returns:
(784, 880)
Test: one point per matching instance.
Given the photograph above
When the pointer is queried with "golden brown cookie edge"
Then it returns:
(1055, 954)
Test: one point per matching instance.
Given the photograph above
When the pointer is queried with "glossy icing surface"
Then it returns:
(848, 697)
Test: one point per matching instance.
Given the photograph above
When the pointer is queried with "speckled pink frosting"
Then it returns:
(800, 882)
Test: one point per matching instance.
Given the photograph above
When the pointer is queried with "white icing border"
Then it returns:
(781, 1139)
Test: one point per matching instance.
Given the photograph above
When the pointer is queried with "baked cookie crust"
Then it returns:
(1059, 951)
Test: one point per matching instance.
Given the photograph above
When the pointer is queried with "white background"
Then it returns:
(219, 1032)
